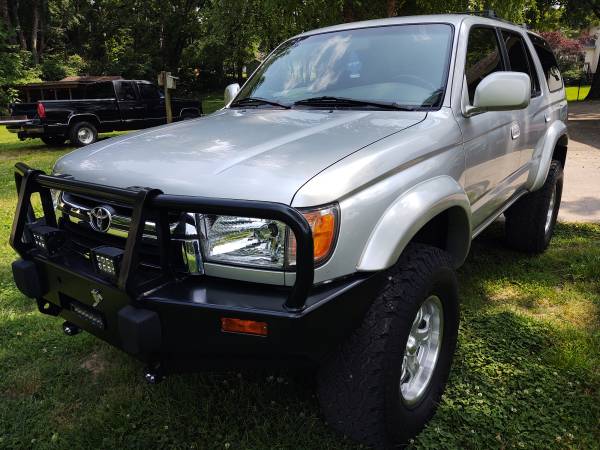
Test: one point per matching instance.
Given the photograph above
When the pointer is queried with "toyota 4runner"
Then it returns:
(317, 219)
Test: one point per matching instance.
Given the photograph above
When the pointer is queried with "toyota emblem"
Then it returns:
(100, 218)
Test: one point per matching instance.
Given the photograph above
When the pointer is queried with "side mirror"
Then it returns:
(230, 92)
(501, 91)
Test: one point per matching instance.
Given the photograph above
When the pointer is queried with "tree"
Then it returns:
(581, 13)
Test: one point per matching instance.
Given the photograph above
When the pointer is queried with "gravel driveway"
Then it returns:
(581, 193)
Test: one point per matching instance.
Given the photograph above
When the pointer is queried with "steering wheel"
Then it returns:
(416, 81)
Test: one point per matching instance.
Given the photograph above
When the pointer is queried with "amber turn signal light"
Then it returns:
(231, 325)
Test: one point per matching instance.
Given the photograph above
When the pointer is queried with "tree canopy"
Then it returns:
(206, 42)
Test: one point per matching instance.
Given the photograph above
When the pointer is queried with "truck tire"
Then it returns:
(530, 221)
(384, 383)
(83, 133)
(53, 141)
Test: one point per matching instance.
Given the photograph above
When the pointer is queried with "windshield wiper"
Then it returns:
(257, 101)
(327, 101)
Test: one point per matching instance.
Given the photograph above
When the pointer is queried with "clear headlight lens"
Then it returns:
(244, 241)
(266, 243)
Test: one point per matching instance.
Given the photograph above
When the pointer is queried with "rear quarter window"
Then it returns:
(549, 63)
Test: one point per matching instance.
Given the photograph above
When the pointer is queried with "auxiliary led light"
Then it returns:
(49, 240)
(107, 260)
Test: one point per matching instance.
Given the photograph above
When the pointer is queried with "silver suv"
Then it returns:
(318, 219)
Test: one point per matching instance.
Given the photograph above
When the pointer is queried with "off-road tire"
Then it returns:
(75, 134)
(526, 220)
(53, 141)
(359, 385)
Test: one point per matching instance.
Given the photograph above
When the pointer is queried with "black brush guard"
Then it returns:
(152, 203)
(161, 320)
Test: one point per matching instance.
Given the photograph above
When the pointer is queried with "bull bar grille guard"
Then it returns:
(153, 203)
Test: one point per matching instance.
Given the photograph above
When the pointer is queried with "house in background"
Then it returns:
(591, 48)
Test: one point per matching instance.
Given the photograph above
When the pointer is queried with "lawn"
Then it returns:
(526, 374)
(575, 93)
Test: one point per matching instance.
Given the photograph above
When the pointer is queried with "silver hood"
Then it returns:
(249, 154)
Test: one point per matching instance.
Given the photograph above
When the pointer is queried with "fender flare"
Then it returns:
(76, 117)
(542, 157)
(409, 213)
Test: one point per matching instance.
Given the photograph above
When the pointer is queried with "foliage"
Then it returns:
(207, 43)
(569, 53)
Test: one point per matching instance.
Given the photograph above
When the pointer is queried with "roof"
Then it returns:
(453, 19)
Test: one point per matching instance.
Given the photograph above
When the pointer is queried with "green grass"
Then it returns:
(212, 101)
(526, 374)
(572, 92)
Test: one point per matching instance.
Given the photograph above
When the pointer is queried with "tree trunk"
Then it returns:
(594, 93)
(348, 11)
(391, 8)
(17, 24)
(4, 13)
(35, 22)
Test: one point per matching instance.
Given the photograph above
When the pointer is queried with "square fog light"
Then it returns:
(107, 260)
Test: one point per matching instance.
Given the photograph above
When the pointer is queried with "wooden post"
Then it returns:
(163, 80)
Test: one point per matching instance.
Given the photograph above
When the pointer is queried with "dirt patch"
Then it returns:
(94, 363)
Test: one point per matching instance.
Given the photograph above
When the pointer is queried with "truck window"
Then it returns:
(483, 57)
(549, 64)
(99, 90)
(126, 91)
(148, 91)
(520, 60)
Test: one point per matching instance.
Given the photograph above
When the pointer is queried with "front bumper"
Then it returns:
(175, 320)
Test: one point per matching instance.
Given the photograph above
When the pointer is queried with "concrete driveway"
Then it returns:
(581, 192)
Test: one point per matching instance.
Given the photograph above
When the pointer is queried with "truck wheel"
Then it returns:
(530, 221)
(83, 133)
(384, 383)
(53, 141)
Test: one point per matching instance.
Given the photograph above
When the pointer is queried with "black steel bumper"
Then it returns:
(175, 320)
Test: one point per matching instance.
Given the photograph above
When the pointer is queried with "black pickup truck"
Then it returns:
(79, 110)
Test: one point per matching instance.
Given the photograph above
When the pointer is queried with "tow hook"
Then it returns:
(70, 329)
(154, 374)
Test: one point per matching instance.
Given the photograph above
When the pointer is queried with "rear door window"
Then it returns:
(483, 57)
(148, 91)
(520, 60)
(549, 63)
(127, 91)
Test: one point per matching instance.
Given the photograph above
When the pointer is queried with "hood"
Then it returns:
(253, 154)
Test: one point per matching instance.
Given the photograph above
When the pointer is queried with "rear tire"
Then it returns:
(83, 133)
(53, 141)
(365, 388)
(530, 221)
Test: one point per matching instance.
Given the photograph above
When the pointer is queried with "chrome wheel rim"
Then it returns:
(422, 350)
(550, 212)
(85, 135)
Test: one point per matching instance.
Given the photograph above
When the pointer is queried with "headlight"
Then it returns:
(244, 241)
(266, 243)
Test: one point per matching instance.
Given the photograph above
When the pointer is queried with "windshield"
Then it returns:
(406, 65)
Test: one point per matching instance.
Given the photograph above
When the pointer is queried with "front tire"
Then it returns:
(530, 221)
(83, 133)
(384, 383)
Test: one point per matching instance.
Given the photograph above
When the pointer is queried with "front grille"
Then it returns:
(74, 217)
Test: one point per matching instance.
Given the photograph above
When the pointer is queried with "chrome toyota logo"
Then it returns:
(100, 218)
